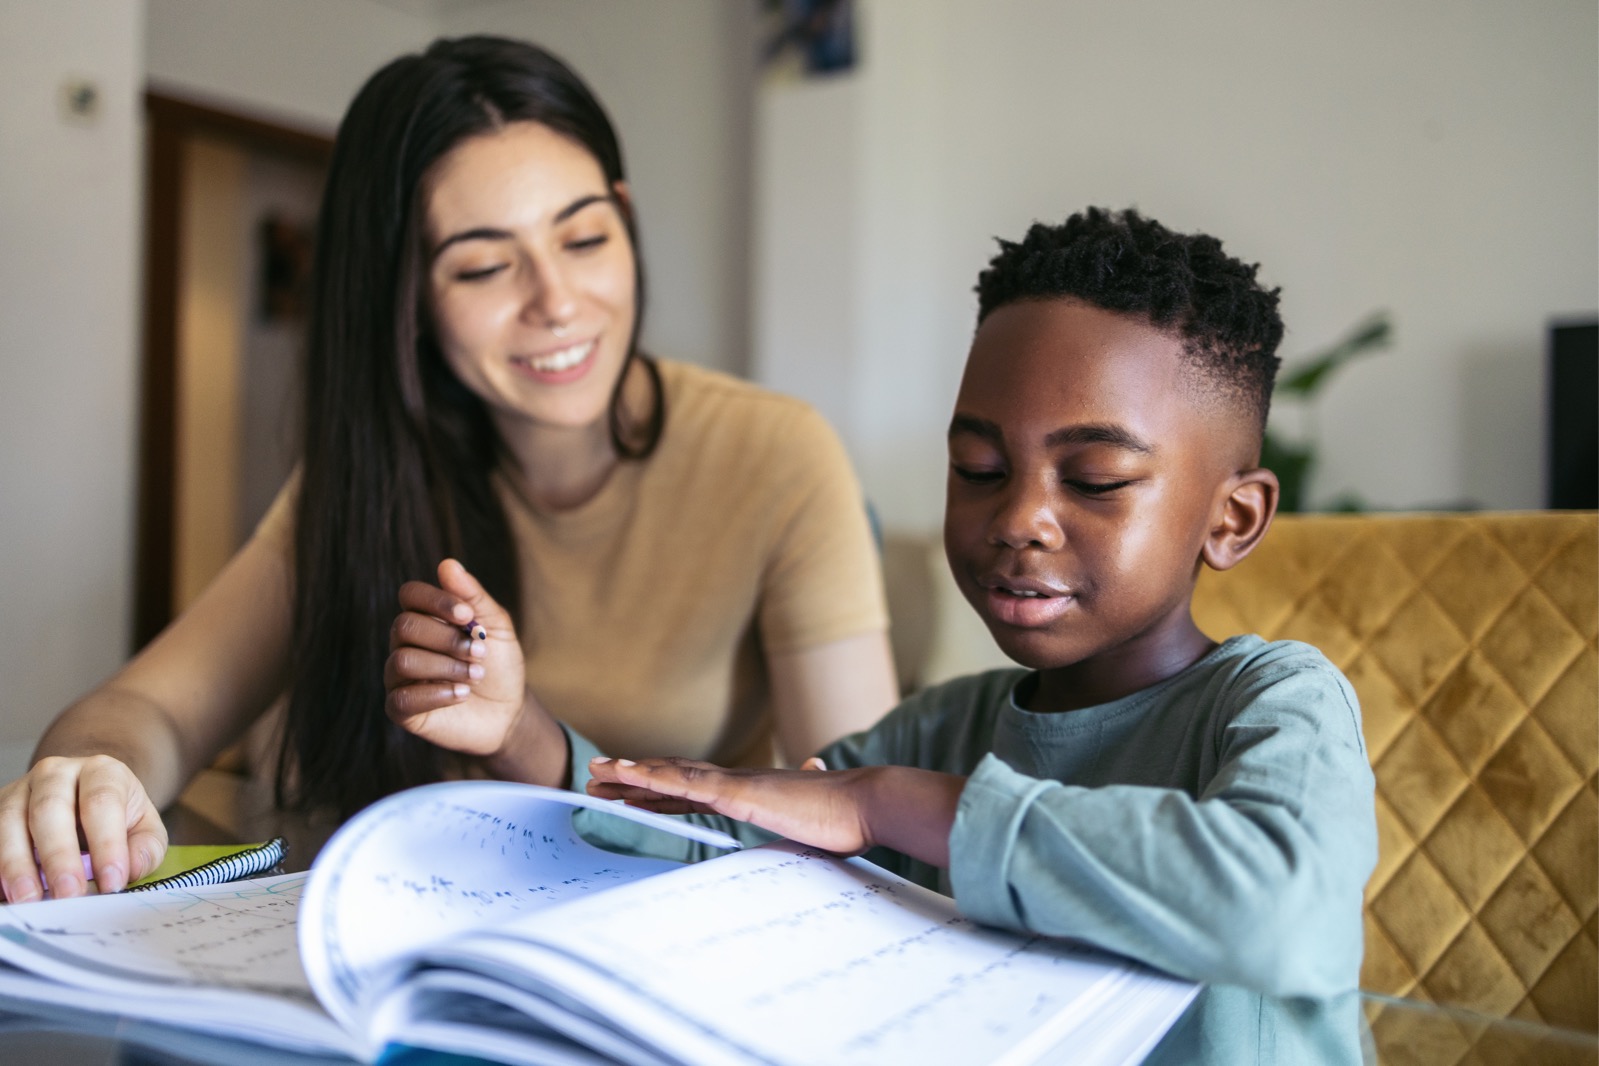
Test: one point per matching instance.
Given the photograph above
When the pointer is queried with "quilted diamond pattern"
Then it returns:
(1471, 642)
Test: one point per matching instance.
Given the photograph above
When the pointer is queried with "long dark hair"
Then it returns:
(398, 453)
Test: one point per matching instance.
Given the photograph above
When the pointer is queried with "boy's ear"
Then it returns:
(1246, 505)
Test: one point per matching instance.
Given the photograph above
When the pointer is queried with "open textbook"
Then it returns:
(471, 917)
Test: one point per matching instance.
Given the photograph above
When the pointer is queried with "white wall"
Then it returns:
(297, 61)
(69, 259)
(1436, 159)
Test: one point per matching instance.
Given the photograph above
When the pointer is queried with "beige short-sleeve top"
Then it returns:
(648, 610)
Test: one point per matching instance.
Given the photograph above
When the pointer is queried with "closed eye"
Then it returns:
(586, 243)
(976, 476)
(1097, 488)
(480, 273)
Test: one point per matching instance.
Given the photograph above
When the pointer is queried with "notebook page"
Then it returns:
(215, 957)
(431, 862)
(787, 955)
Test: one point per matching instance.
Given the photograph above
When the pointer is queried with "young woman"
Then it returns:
(659, 557)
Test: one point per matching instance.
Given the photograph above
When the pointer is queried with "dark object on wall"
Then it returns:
(283, 248)
(820, 32)
(1573, 459)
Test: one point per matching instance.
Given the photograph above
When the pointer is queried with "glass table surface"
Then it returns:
(1395, 1032)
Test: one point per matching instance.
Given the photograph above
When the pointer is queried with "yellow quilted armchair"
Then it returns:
(1471, 642)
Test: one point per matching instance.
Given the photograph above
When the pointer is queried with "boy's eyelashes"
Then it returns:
(1098, 488)
(1087, 487)
(975, 475)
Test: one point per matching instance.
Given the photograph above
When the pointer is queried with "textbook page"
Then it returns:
(432, 862)
(784, 954)
(219, 958)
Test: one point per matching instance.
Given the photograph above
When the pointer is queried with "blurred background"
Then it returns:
(818, 184)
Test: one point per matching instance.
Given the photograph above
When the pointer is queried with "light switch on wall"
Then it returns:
(80, 101)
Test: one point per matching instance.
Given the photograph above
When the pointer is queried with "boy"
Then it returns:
(1205, 808)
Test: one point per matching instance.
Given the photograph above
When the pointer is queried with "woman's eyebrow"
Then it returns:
(490, 233)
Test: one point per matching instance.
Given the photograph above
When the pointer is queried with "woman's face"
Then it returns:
(530, 270)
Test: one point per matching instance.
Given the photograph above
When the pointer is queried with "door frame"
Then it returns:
(170, 121)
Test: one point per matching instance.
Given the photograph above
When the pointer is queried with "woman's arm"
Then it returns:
(111, 760)
(820, 694)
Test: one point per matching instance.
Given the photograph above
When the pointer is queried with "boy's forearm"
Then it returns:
(911, 810)
(535, 750)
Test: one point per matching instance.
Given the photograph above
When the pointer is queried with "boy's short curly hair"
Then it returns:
(1121, 261)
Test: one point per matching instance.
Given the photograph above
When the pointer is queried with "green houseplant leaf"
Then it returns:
(1293, 463)
(1375, 332)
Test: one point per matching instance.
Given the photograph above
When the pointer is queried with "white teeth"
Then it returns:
(1027, 593)
(565, 359)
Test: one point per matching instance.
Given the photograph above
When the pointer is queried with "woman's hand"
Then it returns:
(44, 812)
(842, 811)
(453, 690)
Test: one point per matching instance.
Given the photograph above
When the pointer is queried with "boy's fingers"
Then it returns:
(423, 598)
(412, 629)
(475, 601)
(813, 763)
(695, 781)
(406, 702)
(409, 664)
(645, 798)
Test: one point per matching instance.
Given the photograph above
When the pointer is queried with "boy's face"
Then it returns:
(1084, 479)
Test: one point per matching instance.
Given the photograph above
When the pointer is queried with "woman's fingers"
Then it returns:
(53, 824)
(105, 810)
(40, 820)
(124, 832)
(19, 872)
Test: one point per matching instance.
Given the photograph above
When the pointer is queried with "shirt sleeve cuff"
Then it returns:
(582, 750)
(988, 821)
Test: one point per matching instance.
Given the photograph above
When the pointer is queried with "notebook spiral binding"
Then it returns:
(229, 868)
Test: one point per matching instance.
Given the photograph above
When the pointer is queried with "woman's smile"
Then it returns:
(560, 366)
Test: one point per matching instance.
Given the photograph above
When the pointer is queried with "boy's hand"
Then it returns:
(807, 805)
(462, 692)
(842, 811)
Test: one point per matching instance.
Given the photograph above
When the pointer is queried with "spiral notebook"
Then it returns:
(186, 866)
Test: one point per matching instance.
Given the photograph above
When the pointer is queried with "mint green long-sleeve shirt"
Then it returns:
(1219, 825)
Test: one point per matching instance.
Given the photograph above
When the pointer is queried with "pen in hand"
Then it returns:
(88, 870)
